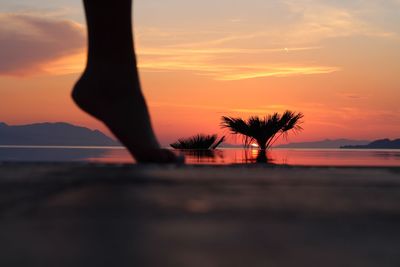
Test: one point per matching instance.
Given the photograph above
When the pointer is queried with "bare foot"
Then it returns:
(116, 100)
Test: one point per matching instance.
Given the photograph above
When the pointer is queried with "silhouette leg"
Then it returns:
(109, 88)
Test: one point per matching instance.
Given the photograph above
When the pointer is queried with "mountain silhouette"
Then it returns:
(327, 143)
(379, 144)
(53, 134)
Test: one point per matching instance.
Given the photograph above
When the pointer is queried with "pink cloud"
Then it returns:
(28, 42)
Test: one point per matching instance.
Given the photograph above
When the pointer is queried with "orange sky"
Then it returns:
(337, 63)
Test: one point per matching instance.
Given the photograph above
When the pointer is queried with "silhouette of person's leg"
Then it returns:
(109, 88)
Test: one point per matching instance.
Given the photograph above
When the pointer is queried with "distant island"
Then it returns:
(377, 144)
(327, 143)
(52, 134)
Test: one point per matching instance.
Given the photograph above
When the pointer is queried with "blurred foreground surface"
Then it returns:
(130, 215)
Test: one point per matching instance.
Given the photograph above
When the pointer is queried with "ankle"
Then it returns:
(105, 61)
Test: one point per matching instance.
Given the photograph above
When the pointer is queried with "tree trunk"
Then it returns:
(262, 145)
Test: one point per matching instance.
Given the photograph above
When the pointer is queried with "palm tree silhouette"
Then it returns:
(199, 141)
(264, 131)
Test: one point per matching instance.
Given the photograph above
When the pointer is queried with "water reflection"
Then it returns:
(203, 156)
(50, 154)
(386, 154)
(305, 157)
(258, 156)
(248, 156)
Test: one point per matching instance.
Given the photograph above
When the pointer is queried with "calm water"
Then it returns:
(307, 157)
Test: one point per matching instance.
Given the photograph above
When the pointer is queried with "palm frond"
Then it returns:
(265, 131)
(221, 140)
(199, 141)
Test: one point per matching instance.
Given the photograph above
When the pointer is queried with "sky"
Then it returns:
(336, 61)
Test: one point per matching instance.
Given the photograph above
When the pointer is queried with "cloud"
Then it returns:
(354, 96)
(213, 62)
(168, 51)
(320, 20)
(29, 42)
(275, 71)
(300, 22)
(264, 46)
(233, 72)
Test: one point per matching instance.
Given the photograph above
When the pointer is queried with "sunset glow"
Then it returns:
(337, 62)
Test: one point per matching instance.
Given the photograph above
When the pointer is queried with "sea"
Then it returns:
(225, 156)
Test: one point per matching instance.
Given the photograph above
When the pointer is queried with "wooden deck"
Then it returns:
(109, 215)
